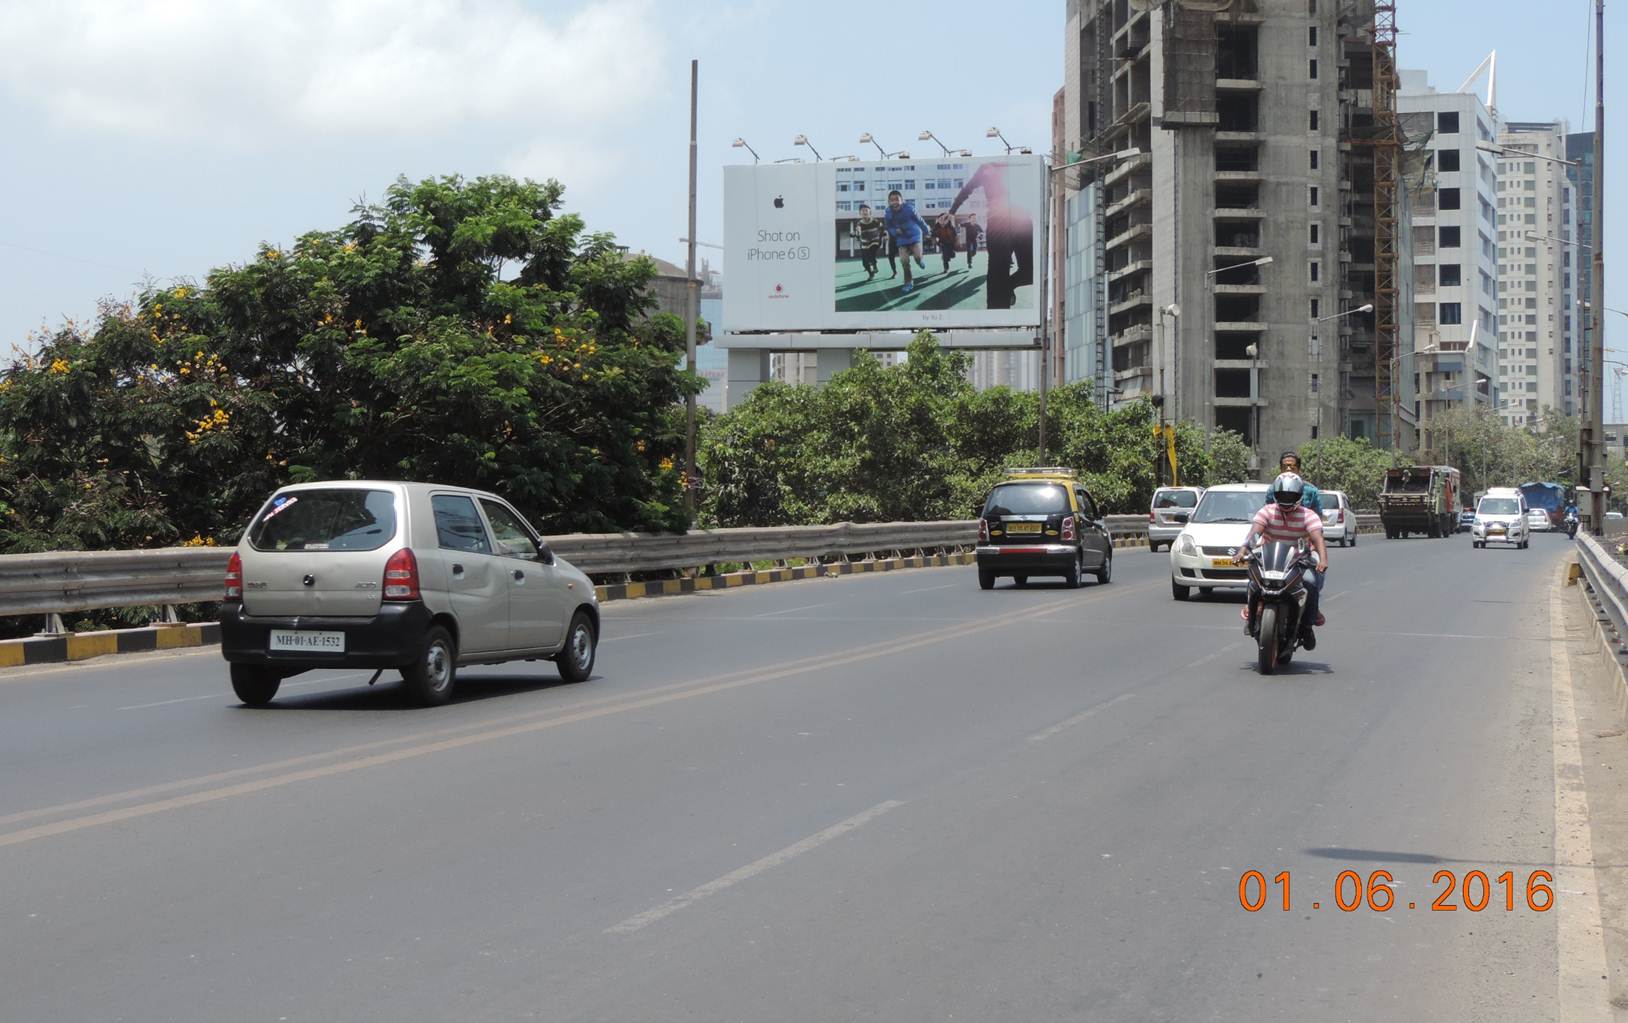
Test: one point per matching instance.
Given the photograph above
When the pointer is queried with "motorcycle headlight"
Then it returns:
(1186, 546)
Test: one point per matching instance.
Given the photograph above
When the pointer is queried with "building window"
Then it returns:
(1311, 36)
(1315, 233)
(1313, 71)
(1313, 156)
(1313, 195)
(1451, 275)
(1447, 122)
(1447, 159)
(1315, 308)
(1447, 199)
(1449, 237)
(1451, 313)
(1313, 121)
(1316, 270)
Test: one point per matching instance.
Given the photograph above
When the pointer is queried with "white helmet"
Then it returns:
(1288, 489)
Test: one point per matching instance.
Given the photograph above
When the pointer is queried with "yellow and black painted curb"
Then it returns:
(77, 646)
(730, 580)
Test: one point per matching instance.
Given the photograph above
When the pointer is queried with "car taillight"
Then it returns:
(983, 530)
(1068, 527)
(234, 578)
(401, 576)
(1150, 517)
(1339, 516)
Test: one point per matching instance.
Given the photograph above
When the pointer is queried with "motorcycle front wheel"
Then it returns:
(1267, 643)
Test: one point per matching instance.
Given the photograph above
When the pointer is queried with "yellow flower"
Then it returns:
(639, 446)
(358, 324)
(158, 310)
(60, 366)
(666, 465)
(327, 317)
(508, 318)
(180, 293)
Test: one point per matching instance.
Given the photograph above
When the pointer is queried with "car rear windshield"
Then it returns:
(1230, 506)
(1175, 499)
(1500, 506)
(1027, 499)
(326, 520)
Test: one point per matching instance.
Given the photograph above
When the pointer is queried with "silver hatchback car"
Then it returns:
(408, 576)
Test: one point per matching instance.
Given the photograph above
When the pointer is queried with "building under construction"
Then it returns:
(1239, 277)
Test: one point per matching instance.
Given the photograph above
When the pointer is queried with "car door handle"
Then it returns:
(519, 576)
(457, 570)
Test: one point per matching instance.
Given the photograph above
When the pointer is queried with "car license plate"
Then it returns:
(304, 641)
(1023, 527)
(1221, 563)
(1495, 529)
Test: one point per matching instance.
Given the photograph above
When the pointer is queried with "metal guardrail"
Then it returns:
(1609, 580)
(62, 582)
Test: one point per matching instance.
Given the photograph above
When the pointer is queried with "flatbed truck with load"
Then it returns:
(1420, 499)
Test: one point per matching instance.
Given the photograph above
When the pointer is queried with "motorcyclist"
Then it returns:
(1286, 519)
(1289, 461)
(1571, 518)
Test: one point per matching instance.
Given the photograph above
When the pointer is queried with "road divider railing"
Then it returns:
(1608, 578)
(65, 582)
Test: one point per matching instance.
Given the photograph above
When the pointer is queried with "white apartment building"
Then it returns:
(1455, 253)
(1537, 311)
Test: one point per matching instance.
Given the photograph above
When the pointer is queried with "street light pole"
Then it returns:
(1594, 434)
(691, 309)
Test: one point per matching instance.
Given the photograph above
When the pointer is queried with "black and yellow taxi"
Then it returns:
(1041, 521)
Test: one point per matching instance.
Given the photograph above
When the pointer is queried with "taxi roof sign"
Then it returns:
(1041, 471)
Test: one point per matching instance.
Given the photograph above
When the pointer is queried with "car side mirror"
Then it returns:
(545, 553)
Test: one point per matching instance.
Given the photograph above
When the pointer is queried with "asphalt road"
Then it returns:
(889, 797)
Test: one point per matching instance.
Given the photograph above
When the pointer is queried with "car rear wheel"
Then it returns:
(1179, 591)
(1106, 572)
(1071, 578)
(430, 678)
(254, 685)
(576, 661)
(986, 579)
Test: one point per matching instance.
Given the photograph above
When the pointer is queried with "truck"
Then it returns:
(1420, 499)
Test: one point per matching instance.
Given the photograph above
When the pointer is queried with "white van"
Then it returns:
(1500, 517)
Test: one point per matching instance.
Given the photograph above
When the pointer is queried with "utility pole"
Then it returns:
(1594, 430)
(692, 310)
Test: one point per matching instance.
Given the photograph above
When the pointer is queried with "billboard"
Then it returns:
(948, 243)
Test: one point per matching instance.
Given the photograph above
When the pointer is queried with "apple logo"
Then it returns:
(779, 202)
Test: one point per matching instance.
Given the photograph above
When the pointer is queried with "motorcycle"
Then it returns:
(1277, 600)
(1571, 525)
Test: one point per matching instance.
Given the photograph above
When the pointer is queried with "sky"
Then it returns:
(152, 141)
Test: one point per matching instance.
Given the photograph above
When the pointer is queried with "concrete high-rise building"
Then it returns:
(1537, 300)
(1017, 369)
(1454, 229)
(1238, 246)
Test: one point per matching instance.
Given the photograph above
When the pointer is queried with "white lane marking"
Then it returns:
(1579, 932)
(751, 870)
(792, 610)
(928, 589)
(1067, 723)
(635, 635)
(228, 696)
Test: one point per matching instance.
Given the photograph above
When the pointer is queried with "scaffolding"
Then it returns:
(1387, 144)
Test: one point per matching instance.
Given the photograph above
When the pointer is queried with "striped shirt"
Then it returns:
(1277, 524)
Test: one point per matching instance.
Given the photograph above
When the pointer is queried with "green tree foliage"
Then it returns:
(1492, 454)
(1354, 467)
(460, 331)
(916, 442)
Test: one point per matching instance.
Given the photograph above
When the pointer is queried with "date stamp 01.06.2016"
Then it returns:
(1474, 892)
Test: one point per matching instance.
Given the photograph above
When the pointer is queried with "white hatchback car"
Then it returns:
(1169, 512)
(1339, 521)
(1201, 557)
(413, 577)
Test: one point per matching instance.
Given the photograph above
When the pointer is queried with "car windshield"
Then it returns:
(326, 520)
(1332, 501)
(1230, 506)
(1026, 499)
(1175, 499)
(1500, 506)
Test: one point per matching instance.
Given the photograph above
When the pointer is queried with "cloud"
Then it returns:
(362, 68)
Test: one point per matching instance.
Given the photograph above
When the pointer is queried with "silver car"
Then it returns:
(1171, 508)
(414, 577)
